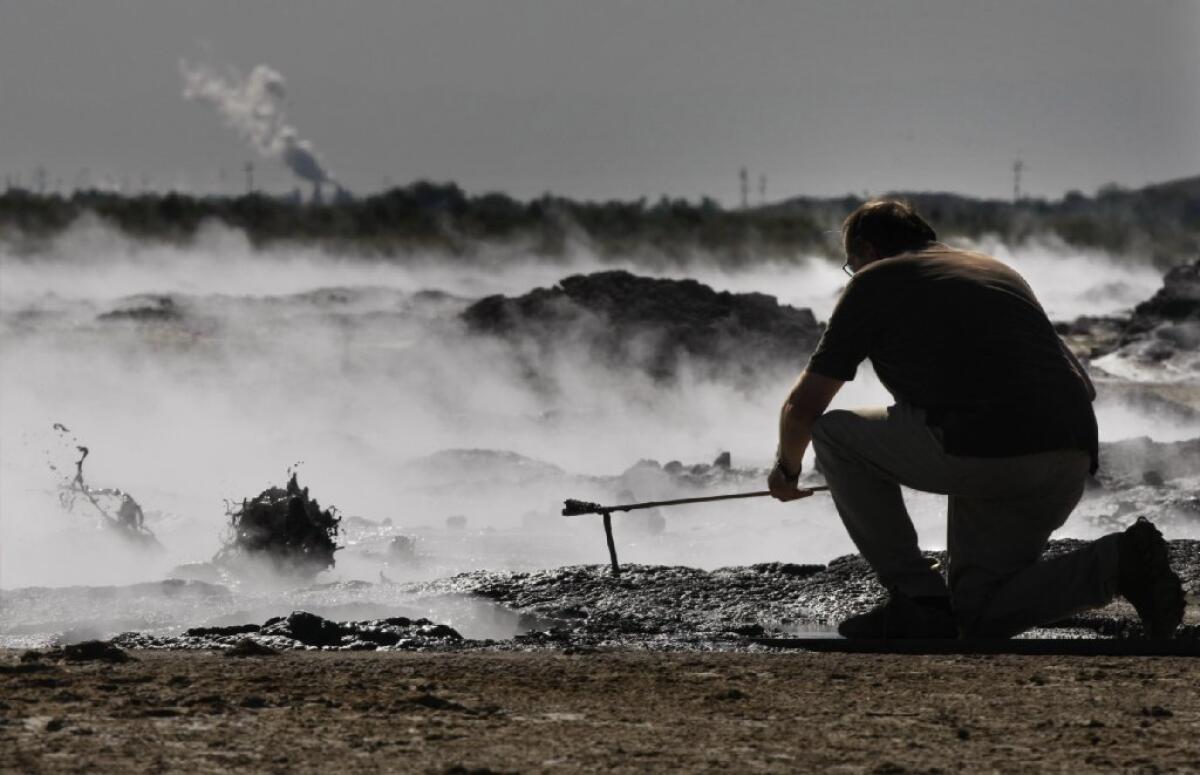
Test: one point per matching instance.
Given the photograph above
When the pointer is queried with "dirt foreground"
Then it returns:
(626, 710)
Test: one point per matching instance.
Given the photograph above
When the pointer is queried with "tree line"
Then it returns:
(1159, 224)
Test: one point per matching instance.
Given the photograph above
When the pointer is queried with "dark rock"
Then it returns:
(652, 324)
(94, 651)
(1178, 300)
(250, 648)
(439, 631)
(787, 568)
(309, 629)
(724, 460)
(378, 637)
(145, 309)
(236, 629)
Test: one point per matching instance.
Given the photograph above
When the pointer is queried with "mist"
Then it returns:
(198, 374)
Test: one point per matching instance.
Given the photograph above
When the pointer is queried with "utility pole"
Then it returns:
(39, 179)
(1018, 165)
(762, 189)
(249, 177)
(744, 181)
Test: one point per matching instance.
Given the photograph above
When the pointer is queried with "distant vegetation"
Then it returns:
(1159, 224)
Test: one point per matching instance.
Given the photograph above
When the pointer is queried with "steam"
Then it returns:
(289, 354)
(253, 107)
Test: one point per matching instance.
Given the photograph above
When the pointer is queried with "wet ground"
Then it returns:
(576, 607)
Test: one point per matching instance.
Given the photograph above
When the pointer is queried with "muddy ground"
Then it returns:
(626, 711)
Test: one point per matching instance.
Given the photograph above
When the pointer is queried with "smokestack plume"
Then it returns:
(253, 107)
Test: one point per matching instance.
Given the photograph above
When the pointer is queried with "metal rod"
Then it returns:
(573, 508)
(612, 547)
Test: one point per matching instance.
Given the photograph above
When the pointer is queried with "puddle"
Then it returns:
(807, 629)
(478, 619)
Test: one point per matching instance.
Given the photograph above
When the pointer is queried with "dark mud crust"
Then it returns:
(653, 608)
(623, 711)
(736, 333)
(676, 607)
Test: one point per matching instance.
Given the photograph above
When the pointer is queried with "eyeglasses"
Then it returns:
(849, 270)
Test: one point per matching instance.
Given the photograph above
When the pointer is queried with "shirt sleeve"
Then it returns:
(848, 335)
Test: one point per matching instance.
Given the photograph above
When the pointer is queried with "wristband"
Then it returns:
(790, 478)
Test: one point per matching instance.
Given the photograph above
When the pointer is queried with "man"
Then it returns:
(991, 409)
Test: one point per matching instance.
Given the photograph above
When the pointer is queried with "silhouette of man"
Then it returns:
(992, 410)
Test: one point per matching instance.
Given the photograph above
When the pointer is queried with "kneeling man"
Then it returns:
(992, 410)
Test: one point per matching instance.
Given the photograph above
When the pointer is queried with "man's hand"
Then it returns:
(782, 484)
(807, 401)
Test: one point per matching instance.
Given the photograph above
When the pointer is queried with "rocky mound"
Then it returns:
(1158, 328)
(145, 309)
(1177, 301)
(654, 324)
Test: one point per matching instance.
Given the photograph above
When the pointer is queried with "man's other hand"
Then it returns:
(783, 487)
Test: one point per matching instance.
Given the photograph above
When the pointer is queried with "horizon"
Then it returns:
(622, 103)
(332, 189)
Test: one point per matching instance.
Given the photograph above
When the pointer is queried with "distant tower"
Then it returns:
(39, 179)
(1018, 165)
(744, 181)
(249, 177)
(762, 189)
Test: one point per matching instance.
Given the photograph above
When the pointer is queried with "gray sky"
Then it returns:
(619, 99)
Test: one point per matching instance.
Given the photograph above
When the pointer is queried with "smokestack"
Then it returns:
(253, 107)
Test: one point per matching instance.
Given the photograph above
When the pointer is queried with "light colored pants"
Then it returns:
(1001, 514)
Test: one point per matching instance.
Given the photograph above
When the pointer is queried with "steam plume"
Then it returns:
(253, 107)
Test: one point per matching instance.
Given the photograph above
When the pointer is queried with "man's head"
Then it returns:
(883, 228)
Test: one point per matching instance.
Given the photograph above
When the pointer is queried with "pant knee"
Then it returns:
(823, 430)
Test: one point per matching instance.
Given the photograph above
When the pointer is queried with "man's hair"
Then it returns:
(887, 225)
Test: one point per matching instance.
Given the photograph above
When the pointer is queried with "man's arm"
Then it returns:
(808, 400)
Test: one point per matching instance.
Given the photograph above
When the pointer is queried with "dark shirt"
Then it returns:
(962, 336)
